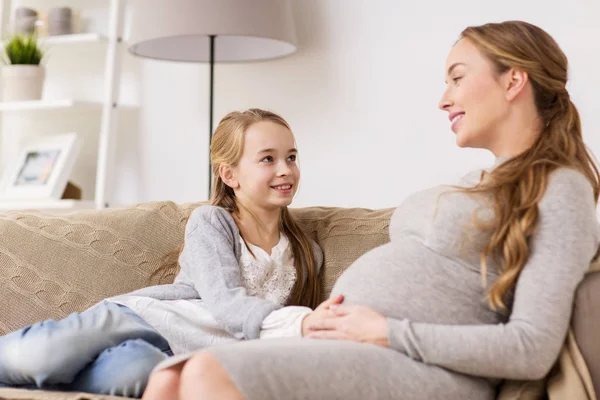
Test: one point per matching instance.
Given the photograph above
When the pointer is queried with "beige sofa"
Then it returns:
(52, 265)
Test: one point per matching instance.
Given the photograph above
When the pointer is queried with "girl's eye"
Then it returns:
(458, 78)
(267, 159)
(292, 157)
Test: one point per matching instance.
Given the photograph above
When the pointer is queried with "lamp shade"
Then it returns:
(179, 30)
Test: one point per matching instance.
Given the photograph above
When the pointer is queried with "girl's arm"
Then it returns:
(285, 322)
(209, 263)
(528, 345)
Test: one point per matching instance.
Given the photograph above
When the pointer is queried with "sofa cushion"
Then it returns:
(52, 265)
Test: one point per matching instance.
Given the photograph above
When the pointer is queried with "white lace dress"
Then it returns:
(188, 326)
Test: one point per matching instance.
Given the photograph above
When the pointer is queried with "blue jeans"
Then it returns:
(107, 349)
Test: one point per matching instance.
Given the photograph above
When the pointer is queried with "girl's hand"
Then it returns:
(350, 322)
(320, 312)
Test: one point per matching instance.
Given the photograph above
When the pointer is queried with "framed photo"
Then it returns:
(42, 168)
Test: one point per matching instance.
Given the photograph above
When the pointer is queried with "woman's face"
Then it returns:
(475, 97)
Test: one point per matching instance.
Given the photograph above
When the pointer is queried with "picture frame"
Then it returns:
(41, 168)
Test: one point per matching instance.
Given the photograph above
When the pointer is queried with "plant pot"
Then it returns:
(22, 82)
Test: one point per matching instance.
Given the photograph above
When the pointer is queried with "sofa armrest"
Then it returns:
(586, 324)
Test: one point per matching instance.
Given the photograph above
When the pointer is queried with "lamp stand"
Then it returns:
(211, 61)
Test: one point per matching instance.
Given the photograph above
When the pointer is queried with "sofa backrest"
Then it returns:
(52, 265)
(344, 234)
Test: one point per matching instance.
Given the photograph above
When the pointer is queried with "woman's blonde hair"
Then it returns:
(226, 148)
(518, 184)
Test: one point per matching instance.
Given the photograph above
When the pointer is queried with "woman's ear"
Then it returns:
(228, 176)
(516, 80)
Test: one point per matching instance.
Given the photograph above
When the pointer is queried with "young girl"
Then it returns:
(244, 258)
(415, 323)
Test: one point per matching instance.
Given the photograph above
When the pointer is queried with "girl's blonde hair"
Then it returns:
(226, 148)
(518, 184)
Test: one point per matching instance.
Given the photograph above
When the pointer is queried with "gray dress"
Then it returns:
(445, 343)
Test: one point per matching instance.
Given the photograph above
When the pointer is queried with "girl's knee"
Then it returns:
(27, 362)
(131, 360)
(122, 370)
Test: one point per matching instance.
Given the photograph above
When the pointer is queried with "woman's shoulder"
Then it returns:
(568, 186)
(568, 204)
(562, 183)
(569, 176)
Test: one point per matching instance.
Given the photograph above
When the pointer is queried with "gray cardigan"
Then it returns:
(210, 271)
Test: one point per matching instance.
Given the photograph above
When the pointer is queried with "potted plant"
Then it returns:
(22, 74)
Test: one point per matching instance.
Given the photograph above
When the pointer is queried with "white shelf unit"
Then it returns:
(73, 39)
(109, 102)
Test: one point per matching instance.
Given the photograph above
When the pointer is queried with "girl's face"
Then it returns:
(474, 98)
(267, 175)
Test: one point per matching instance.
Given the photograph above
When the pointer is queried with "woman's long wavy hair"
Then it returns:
(518, 184)
(226, 148)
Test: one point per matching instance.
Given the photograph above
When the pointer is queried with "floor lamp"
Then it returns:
(212, 31)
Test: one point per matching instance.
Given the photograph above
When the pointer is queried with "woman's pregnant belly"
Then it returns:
(406, 279)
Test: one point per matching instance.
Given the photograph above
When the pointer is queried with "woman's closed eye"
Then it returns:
(457, 79)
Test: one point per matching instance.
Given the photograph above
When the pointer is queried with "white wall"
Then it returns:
(361, 94)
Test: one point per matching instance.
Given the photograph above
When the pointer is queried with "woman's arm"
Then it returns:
(285, 322)
(209, 262)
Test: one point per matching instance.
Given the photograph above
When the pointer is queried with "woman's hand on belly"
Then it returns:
(351, 322)
(322, 311)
